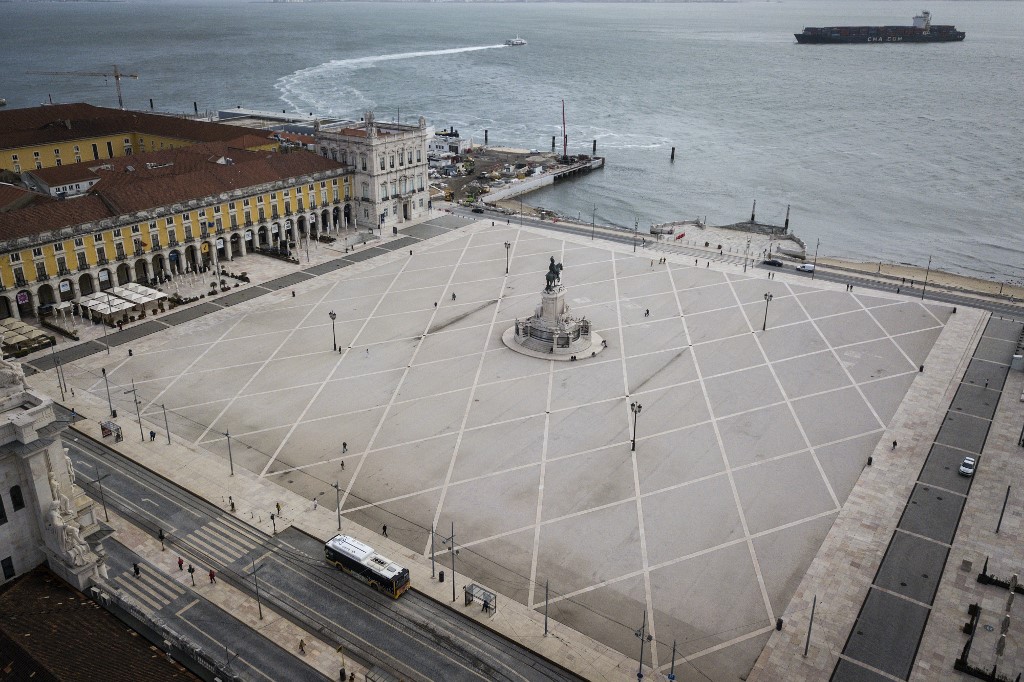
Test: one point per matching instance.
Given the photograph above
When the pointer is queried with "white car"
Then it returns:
(968, 466)
(805, 267)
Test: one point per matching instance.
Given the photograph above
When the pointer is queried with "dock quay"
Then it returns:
(580, 164)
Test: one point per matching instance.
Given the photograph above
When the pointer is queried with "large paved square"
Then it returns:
(748, 442)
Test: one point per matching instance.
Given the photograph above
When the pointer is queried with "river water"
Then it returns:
(884, 152)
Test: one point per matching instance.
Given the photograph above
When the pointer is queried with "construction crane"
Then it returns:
(117, 75)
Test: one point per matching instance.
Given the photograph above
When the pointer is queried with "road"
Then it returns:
(1008, 310)
(412, 638)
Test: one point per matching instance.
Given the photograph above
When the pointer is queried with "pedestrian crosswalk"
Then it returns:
(219, 542)
(152, 589)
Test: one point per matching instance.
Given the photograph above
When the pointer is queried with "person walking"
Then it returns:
(315, 503)
(278, 508)
(160, 537)
(385, 530)
(152, 436)
(647, 312)
(894, 445)
(181, 564)
(302, 646)
(453, 295)
(344, 449)
(342, 465)
(138, 571)
(213, 576)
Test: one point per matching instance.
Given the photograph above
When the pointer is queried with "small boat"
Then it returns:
(3, 102)
(515, 42)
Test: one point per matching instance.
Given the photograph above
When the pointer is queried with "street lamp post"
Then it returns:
(135, 399)
(593, 219)
(746, 252)
(635, 408)
(337, 494)
(926, 273)
(256, 583)
(636, 229)
(767, 300)
(508, 245)
(110, 404)
(814, 268)
(103, 501)
(644, 639)
(333, 315)
(231, 461)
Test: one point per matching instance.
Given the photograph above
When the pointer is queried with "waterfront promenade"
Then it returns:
(640, 345)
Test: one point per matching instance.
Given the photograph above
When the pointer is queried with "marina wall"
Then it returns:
(519, 188)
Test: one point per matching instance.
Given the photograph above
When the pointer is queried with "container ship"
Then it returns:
(921, 32)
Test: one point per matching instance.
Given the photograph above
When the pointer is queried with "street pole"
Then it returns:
(593, 219)
(453, 562)
(166, 425)
(110, 404)
(545, 606)
(508, 246)
(337, 495)
(767, 300)
(644, 638)
(256, 581)
(59, 384)
(231, 461)
(810, 625)
(432, 573)
(672, 671)
(926, 273)
(103, 501)
(636, 408)
(746, 252)
(814, 268)
(333, 315)
(135, 398)
(520, 211)
(636, 229)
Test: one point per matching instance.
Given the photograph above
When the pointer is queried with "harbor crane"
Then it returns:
(117, 75)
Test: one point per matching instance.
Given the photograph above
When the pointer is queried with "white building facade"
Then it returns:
(390, 184)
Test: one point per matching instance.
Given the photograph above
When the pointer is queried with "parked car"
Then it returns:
(968, 466)
(805, 267)
(774, 262)
(477, 209)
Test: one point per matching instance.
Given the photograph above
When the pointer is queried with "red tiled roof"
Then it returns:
(176, 176)
(13, 198)
(62, 175)
(56, 632)
(66, 122)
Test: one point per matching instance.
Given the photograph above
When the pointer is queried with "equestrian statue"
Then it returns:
(554, 275)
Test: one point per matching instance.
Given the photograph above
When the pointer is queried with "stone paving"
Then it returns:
(748, 444)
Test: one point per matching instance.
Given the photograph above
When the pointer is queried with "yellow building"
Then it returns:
(160, 214)
(62, 134)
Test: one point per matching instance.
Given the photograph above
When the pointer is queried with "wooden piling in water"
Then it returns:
(673, 157)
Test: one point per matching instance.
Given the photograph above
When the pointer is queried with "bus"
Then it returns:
(358, 558)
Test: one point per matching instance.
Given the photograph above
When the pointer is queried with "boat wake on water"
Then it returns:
(319, 87)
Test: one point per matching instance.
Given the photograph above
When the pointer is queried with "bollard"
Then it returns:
(869, 461)
(440, 576)
(673, 157)
(778, 624)
(921, 368)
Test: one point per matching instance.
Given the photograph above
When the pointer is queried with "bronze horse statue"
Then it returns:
(553, 275)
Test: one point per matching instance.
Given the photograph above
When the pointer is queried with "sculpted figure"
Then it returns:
(61, 499)
(74, 545)
(71, 467)
(56, 524)
(554, 275)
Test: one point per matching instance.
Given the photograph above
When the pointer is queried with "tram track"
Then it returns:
(437, 637)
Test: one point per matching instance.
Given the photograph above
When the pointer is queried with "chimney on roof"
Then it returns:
(67, 123)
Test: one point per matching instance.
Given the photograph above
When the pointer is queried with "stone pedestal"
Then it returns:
(552, 332)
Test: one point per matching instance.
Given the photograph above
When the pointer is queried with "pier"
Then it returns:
(582, 164)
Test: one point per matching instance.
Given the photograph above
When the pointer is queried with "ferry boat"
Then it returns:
(515, 42)
(921, 32)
